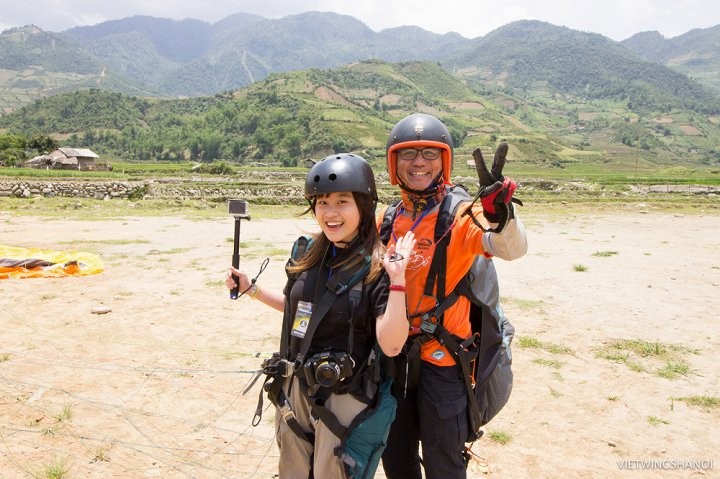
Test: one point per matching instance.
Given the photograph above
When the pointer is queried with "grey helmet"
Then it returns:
(419, 130)
(340, 172)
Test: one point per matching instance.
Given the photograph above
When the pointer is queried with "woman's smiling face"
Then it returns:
(338, 216)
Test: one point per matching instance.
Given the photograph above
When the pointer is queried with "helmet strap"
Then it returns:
(416, 201)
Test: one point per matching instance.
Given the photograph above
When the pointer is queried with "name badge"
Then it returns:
(302, 319)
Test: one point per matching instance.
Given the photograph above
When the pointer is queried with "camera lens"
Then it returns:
(327, 374)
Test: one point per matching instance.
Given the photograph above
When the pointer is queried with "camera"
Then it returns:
(238, 209)
(326, 369)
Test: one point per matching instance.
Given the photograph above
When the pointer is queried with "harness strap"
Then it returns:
(338, 284)
(273, 386)
(329, 419)
(274, 372)
(259, 408)
(413, 362)
(289, 417)
(354, 296)
(464, 357)
(388, 220)
(436, 273)
(299, 248)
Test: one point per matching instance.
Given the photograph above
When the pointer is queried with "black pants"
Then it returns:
(433, 413)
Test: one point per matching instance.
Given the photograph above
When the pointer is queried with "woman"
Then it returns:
(329, 341)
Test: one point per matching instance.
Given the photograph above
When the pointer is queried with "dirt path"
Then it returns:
(153, 388)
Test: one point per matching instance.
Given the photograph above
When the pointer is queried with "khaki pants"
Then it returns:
(296, 453)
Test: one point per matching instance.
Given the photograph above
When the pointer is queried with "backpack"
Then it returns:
(485, 358)
(364, 443)
(364, 440)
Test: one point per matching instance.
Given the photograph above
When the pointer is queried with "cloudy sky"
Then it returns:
(617, 19)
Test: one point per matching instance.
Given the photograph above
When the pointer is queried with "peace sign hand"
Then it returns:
(490, 177)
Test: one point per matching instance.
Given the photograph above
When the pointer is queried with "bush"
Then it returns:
(12, 157)
(219, 168)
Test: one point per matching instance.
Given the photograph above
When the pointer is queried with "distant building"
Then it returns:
(66, 158)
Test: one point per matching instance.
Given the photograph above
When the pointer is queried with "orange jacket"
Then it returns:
(465, 244)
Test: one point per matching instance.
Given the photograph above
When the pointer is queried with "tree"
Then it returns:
(12, 156)
(8, 141)
(210, 144)
(12, 149)
(43, 144)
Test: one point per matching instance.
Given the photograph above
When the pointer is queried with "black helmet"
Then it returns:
(419, 131)
(341, 172)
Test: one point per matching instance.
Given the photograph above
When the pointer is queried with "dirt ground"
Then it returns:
(154, 387)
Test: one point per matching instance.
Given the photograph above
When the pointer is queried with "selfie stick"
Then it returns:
(238, 209)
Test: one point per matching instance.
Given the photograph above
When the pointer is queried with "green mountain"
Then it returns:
(530, 55)
(149, 50)
(306, 85)
(176, 41)
(29, 46)
(36, 64)
(192, 58)
(696, 53)
(159, 57)
(311, 113)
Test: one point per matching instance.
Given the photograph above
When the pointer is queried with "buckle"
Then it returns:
(286, 411)
(426, 325)
(285, 368)
(276, 366)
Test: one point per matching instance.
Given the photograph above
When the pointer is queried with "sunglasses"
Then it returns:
(411, 153)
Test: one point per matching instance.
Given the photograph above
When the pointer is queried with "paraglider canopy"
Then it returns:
(18, 262)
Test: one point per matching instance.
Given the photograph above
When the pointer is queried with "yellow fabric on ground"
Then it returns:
(64, 263)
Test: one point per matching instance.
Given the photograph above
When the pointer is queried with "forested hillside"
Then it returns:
(311, 113)
(531, 55)
(157, 57)
(696, 53)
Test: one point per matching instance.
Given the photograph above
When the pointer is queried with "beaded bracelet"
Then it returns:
(397, 287)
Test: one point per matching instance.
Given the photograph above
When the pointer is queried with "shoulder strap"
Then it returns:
(448, 209)
(355, 296)
(387, 222)
(299, 248)
(457, 194)
(341, 282)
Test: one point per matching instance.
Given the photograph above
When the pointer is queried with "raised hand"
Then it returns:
(398, 256)
(487, 177)
(496, 191)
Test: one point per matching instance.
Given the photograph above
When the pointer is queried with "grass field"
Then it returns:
(577, 187)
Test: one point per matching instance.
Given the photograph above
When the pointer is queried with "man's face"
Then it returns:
(418, 167)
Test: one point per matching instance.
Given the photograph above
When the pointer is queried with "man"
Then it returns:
(432, 403)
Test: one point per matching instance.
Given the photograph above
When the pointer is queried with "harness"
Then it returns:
(280, 366)
(483, 355)
(363, 441)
